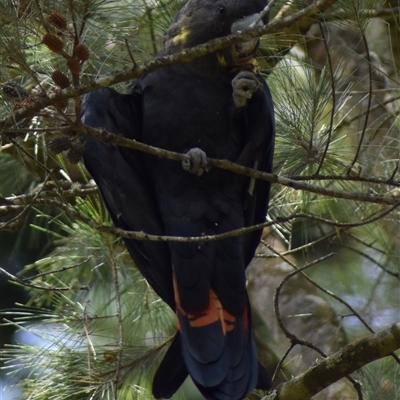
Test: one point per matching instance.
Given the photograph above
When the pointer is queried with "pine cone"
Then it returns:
(58, 20)
(53, 42)
(59, 144)
(74, 66)
(75, 154)
(82, 52)
(60, 79)
(14, 89)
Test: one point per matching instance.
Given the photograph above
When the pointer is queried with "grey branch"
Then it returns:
(276, 26)
(326, 371)
(102, 135)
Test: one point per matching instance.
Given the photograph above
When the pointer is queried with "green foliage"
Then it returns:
(79, 334)
(388, 386)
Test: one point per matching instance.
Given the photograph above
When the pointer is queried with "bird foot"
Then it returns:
(195, 161)
(244, 85)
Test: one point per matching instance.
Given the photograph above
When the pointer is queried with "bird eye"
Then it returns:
(221, 10)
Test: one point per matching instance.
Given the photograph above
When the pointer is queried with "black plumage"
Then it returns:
(214, 106)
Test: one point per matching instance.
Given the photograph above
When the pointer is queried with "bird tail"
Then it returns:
(218, 349)
(172, 372)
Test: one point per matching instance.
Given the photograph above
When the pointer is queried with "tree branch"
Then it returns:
(104, 136)
(13, 201)
(347, 360)
(276, 26)
(11, 205)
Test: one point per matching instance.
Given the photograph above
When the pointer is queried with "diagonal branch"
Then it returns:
(276, 26)
(347, 360)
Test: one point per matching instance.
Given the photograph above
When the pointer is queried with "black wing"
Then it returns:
(260, 117)
(122, 181)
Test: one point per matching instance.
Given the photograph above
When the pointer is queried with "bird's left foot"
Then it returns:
(195, 161)
(244, 85)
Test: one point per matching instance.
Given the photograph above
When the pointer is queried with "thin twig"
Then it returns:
(391, 179)
(56, 271)
(90, 347)
(130, 53)
(118, 303)
(149, 14)
(332, 77)
(368, 257)
(30, 285)
(263, 13)
(351, 178)
(329, 293)
(292, 337)
(37, 162)
(278, 367)
(369, 98)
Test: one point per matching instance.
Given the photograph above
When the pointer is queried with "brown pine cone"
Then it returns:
(74, 65)
(82, 52)
(58, 20)
(59, 144)
(75, 154)
(60, 79)
(53, 42)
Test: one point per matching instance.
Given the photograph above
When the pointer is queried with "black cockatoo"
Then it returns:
(214, 106)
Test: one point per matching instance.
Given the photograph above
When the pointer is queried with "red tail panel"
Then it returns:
(218, 349)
